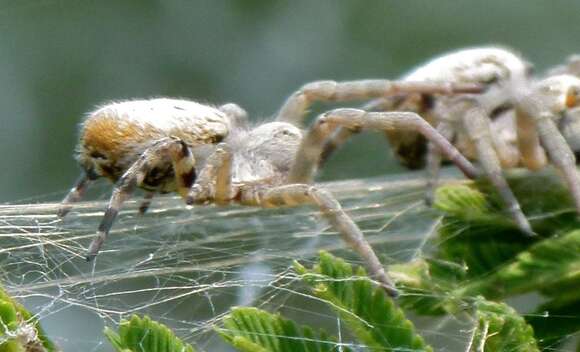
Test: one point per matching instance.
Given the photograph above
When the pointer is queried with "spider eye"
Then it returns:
(97, 155)
(284, 133)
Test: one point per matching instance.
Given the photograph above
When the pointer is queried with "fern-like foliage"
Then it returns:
(499, 328)
(551, 266)
(254, 330)
(144, 335)
(477, 230)
(480, 252)
(500, 262)
(430, 285)
(371, 316)
(19, 329)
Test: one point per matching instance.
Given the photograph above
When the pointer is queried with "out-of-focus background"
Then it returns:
(60, 58)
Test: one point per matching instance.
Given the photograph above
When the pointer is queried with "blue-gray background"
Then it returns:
(59, 58)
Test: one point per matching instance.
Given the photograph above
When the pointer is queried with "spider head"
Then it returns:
(559, 93)
(275, 143)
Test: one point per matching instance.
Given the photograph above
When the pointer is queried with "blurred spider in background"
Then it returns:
(513, 123)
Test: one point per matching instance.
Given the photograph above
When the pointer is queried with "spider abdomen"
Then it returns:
(115, 135)
(501, 70)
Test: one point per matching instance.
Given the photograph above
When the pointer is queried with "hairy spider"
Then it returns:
(509, 125)
(211, 155)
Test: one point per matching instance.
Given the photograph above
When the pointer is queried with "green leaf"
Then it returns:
(8, 324)
(498, 261)
(145, 335)
(551, 266)
(9, 317)
(477, 232)
(474, 232)
(544, 198)
(254, 330)
(429, 285)
(500, 328)
(371, 316)
(19, 329)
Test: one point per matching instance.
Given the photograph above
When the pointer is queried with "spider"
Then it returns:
(211, 154)
(513, 123)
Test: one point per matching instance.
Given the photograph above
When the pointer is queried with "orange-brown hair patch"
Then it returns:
(108, 135)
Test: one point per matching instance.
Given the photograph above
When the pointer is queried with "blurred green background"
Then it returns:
(60, 58)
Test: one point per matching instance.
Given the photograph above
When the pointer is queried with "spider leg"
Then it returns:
(476, 124)
(297, 194)
(223, 179)
(296, 106)
(504, 138)
(433, 155)
(122, 191)
(183, 166)
(215, 179)
(406, 102)
(560, 154)
(341, 136)
(555, 144)
(74, 195)
(146, 202)
(309, 151)
(434, 162)
(533, 156)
